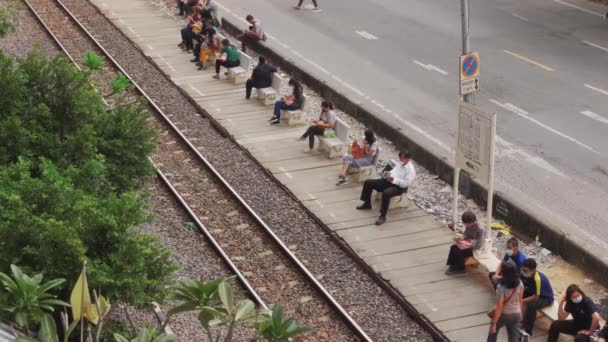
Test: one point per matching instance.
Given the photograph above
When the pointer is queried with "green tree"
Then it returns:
(7, 19)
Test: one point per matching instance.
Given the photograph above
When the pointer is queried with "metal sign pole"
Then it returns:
(455, 196)
(491, 187)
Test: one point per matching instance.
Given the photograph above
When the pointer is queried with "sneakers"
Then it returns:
(301, 138)
(307, 150)
(272, 118)
(316, 9)
(453, 270)
(296, 7)
(275, 122)
(364, 206)
(342, 180)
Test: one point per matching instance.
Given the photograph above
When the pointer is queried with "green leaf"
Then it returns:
(245, 311)
(119, 338)
(185, 307)
(51, 284)
(48, 329)
(93, 61)
(227, 296)
(164, 338)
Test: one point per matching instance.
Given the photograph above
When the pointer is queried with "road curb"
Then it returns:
(512, 210)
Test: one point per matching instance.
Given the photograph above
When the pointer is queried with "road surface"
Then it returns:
(544, 70)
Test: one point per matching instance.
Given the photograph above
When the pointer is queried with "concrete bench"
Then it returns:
(238, 75)
(335, 146)
(268, 96)
(401, 201)
(297, 116)
(366, 172)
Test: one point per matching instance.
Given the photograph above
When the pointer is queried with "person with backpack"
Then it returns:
(229, 58)
(508, 309)
(585, 317)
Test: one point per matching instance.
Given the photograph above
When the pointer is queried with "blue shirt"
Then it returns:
(518, 259)
(539, 285)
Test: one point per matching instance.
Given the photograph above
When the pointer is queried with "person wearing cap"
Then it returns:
(229, 58)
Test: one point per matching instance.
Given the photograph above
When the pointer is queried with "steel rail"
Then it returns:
(334, 303)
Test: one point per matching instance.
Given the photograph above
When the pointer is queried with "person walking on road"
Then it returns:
(314, 2)
(395, 183)
(507, 311)
(585, 317)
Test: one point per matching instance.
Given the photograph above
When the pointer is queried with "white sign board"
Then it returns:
(469, 73)
(476, 130)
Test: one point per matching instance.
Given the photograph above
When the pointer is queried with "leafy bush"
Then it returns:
(71, 180)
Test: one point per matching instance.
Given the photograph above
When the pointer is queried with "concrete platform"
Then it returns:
(409, 251)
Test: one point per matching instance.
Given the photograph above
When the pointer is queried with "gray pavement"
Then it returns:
(543, 70)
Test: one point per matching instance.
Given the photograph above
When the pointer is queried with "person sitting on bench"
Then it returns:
(465, 244)
(261, 77)
(585, 317)
(538, 293)
(368, 150)
(291, 102)
(327, 120)
(229, 58)
(511, 254)
(394, 183)
(255, 33)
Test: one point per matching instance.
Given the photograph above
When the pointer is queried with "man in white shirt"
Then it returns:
(255, 33)
(395, 183)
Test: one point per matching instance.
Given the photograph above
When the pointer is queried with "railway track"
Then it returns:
(265, 266)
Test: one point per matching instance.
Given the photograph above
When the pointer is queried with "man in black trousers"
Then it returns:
(261, 77)
(393, 184)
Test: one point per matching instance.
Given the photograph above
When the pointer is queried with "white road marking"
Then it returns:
(508, 150)
(516, 110)
(595, 116)
(601, 91)
(542, 66)
(366, 35)
(579, 8)
(431, 67)
(595, 45)
(519, 16)
(316, 65)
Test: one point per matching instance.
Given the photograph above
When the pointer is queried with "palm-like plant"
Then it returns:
(272, 326)
(29, 301)
(145, 335)
(93, 61)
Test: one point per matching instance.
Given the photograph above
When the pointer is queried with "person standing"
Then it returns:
(255, 33)
(230, 57)
(465, 244)
(326, 120)
(394, 184)
(585, 317)
(509, 298)
(314, 2)
(538, 292)
(512, 254)
(261, 77)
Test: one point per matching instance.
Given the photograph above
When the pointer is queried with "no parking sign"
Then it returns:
(469, 73)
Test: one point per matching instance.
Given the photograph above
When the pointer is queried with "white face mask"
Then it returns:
(509, 252)
(577, 300)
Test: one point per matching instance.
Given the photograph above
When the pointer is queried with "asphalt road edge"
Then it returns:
(512, 210)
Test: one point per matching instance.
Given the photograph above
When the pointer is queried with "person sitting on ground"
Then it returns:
(513, 254)
(508, 309)
(229, 58)
(369, 149)
(538, 293)
(326, 120)
(465, 244)
(291, 102)
(194, 26)
(261, 77)
(211, 46)
(255, 33)
(585, 317)
(394, 183)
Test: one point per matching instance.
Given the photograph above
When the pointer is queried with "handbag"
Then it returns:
(356, 150)
(329, 133)
(464, 244)
(222, 57)
(492, 311)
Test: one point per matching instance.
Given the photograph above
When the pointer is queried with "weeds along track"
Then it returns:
(265, 265)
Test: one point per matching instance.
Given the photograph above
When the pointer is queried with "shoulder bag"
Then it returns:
(492, 311)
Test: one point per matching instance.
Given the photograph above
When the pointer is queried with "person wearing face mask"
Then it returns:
(507, 311)
(512, 254)
(585, 317)
(538, 292)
